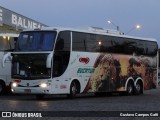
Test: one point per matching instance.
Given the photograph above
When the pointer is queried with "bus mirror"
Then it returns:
(8, 55)
(48, 61)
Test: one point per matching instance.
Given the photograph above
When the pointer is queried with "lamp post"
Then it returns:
(110, 22)
(135, 27)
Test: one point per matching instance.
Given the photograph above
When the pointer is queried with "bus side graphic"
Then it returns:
(112, 71)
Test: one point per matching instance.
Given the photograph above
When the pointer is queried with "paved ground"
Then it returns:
(93, 106)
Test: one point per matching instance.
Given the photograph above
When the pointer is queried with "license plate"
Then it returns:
(27, 90)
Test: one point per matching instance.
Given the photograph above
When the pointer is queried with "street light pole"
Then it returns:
(110, 22)
(135, 27)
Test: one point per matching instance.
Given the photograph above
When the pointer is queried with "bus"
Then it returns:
(7, 44)
(72, 61)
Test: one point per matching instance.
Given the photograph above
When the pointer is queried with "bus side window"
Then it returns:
(61, 53)
(57, 66)
(59, 44)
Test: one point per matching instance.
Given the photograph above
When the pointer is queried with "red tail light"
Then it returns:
(17, 81)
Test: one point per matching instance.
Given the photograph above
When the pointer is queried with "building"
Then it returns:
(12, 22)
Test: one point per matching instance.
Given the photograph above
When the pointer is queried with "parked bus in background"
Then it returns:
(7, 44)
(70, 61)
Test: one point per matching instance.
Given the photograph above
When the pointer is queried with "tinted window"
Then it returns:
(88, 42)
(129, 46)
(63, 41)
(62, 53)
(151, 48)
(79, 41)
(112, 44)
(140, 49)
(118, 45)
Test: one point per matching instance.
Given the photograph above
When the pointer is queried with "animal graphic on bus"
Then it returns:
(112, 71)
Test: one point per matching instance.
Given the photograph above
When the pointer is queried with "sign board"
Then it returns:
(18, 21)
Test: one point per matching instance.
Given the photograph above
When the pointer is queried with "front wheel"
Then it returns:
(73, 90)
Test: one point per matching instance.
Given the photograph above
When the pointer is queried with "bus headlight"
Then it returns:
(43, 85)
(14, 84)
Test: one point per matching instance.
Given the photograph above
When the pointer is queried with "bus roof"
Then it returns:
(9, 34)
(96, 30)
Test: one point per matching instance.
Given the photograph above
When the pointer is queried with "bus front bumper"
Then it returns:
(41, 89)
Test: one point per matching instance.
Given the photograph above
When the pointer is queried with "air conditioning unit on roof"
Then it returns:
(98, 29)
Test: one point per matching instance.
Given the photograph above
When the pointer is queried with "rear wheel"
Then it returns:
(130, 88)
(138, 88)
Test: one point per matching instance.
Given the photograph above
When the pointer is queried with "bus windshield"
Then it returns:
(36, 41)
(30, 66)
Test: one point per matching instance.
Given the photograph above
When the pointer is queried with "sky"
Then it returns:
(86, 13)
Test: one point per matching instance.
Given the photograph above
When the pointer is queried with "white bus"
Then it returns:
(7, 44)
(70, 61)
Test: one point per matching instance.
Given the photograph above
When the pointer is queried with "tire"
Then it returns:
(130, 88)
(73, 90)
(2, 87)
(138, 88)
(40, 97)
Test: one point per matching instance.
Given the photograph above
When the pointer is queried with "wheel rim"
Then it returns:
(130, 89)
(73, 89)
(138, 87)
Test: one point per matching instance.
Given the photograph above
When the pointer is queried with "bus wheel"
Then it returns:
(138, 88)
(73, 90)
(40, 97)
(2, 86)
(130, 88)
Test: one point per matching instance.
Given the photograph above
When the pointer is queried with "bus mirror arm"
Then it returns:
(48, 61)
(7, 55)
